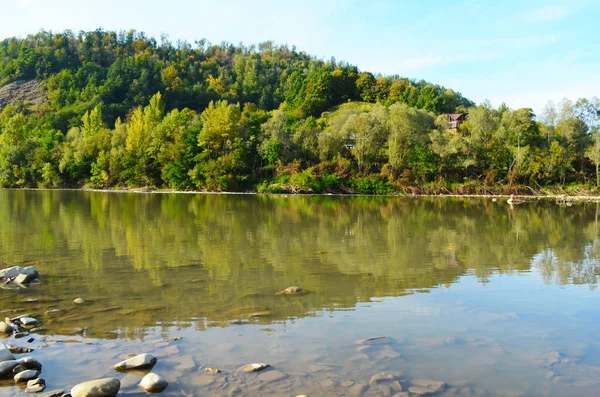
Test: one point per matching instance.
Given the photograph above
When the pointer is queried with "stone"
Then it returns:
(30, 363)
(6, 367)
(423, 387)
(24, 278)
(292, 290)
(254, 367)
(357, 390)
(78, 301)
(140, 361)
(30, 271)
(5, 328)
(153, 383)
(26, 375)
(53, 393)
(384, 377)
(28, 321)
(209, 370)
(19, 368)
(271, 376)
(376, 340)
(11, 272)
(36, 386)
(105, 387)
(5, 353)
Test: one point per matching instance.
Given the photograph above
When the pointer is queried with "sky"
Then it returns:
(523, 53)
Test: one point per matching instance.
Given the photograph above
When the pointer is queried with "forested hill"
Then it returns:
(118, 109)
(120, 71)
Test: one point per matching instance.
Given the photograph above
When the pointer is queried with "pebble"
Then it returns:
(78, 301)
(28, 321)
(292, 290)
(209, 370)
(153, 383)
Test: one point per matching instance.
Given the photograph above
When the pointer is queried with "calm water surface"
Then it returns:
(492, 301)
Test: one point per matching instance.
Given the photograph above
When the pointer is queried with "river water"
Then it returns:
(490, 300)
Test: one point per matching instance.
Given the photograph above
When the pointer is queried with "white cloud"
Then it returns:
(23, 3)
(546, 14)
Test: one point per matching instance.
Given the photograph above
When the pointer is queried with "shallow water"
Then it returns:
(493, 301)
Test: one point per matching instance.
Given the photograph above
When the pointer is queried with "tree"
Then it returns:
(409, 128)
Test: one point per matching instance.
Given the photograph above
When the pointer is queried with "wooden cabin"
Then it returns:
(455, 120)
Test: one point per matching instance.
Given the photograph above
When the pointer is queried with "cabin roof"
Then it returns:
(456, 116)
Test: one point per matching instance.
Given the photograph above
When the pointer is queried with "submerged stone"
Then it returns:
(5, 353)
(292, 290)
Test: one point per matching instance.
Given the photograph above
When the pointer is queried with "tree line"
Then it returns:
(125, 111)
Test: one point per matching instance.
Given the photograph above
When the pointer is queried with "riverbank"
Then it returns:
(534, 195)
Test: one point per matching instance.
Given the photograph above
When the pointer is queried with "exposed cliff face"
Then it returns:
(29, 92)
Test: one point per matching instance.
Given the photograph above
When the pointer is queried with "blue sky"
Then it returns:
(523, 53)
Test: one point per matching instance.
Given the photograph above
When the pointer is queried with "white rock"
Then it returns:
(254, 367)
(139, 361)
(28, 321)
(79, 301)
(105, 387)
(153, 383)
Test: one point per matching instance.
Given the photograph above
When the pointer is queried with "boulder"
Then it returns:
(27, 375)
(140, 361)
(105, 387)
(153, 383)
(5, 353)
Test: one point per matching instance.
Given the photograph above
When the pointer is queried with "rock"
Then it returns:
(30, 271)
(292, 290)
(5, 353)
(28, 321)
(18, 350)
(254, 367)
(6, 367)
(11, 272)
(36, 385)
(26, 375)
(384, 377)
(376, 340)
(53, 311)
(209, 370)
(5, 328)
(153, 383)
(53, 393)
(30, 363)
(105, 387)
(24, 278)
(140, 361)
(357, 390)
(426, 386)
(79, 301)
(19, 368)
(271, 376)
